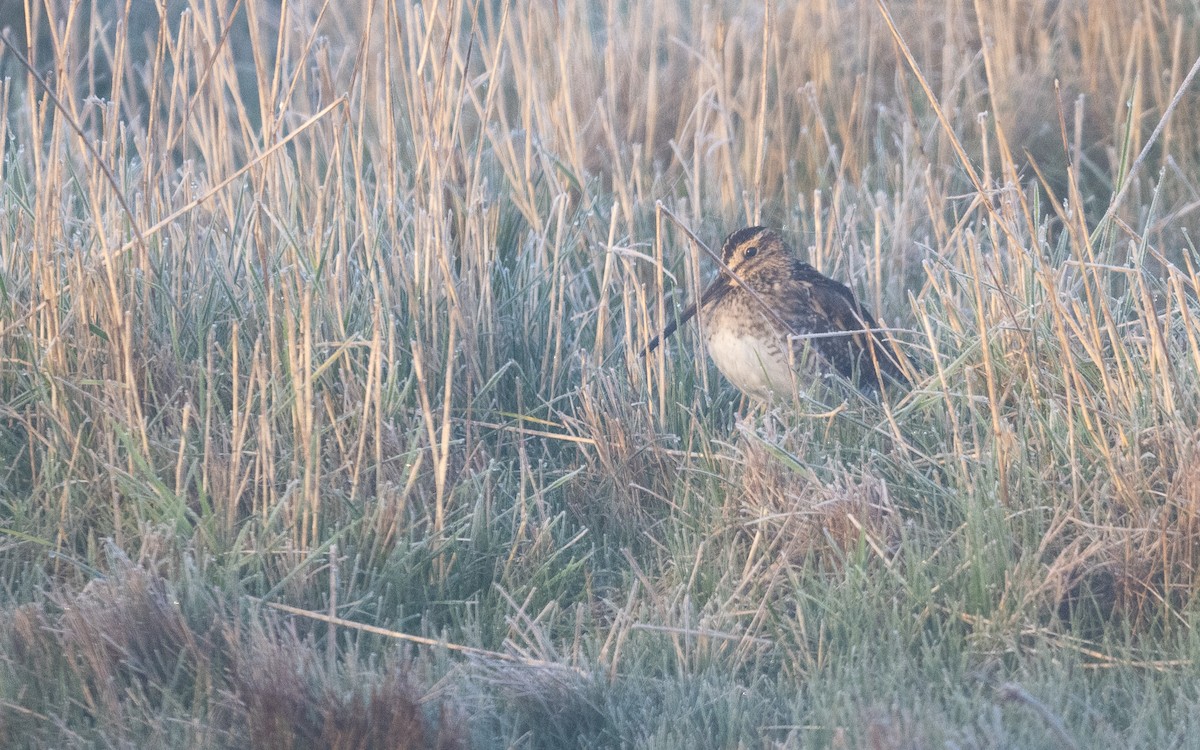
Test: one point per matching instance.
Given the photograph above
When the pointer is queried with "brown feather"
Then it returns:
(763, 295)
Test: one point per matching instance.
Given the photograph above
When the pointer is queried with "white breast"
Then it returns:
(758, 367)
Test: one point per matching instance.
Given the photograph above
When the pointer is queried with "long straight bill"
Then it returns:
(714, 292)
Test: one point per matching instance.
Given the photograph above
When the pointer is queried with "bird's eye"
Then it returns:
(751, 251)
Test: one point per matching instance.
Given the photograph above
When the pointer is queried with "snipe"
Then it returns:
(766, 304)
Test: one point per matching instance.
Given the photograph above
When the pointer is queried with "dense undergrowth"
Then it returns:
(323, 423)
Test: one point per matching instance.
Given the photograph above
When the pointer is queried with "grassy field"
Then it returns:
(322, 420)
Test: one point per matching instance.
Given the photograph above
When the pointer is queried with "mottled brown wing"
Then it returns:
(862, 355)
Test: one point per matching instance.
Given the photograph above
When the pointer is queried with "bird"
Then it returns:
(765, 298)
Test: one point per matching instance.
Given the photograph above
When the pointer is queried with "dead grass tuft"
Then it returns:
(135, 657)
(802, 516)
(125, 634)
(291, 701)
(557, 707)
(626, 463)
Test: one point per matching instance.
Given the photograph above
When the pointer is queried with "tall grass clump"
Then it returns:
(323, 418)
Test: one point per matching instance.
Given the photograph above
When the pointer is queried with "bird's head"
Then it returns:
(746, 252)
(751, 248)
